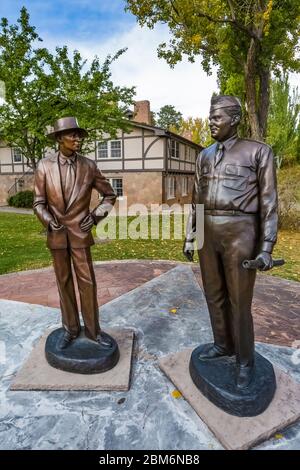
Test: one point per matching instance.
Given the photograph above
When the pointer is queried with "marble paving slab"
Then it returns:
(148, 416)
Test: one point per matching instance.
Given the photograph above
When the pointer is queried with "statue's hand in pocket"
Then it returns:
(55, 226)
(87, 223)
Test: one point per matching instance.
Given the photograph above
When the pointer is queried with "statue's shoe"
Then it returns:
(244, 376)
(213, 351)
(65, 340)
(104, 341)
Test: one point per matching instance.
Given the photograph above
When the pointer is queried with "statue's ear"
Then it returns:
(235, 120)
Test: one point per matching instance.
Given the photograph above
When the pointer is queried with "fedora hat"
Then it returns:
(66, 124)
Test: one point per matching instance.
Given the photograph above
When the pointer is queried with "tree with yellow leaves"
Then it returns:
(247, 39)
(195, 129)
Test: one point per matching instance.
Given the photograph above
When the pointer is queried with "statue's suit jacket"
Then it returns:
(49, 202)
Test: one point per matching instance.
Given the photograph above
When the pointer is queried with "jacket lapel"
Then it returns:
(80, 173)
(56, 181)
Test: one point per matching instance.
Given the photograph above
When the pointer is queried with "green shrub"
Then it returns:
(21, 199)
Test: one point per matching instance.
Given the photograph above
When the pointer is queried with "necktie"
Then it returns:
(219, 154)
(70, 180)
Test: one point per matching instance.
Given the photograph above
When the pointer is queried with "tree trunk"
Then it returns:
(264, 100)
(34, 164)
(250, 87)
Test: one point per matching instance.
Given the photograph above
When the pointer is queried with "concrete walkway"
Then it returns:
(16, 210)
(276, 304)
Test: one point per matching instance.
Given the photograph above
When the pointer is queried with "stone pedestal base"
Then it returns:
(37, 374)
(235, 432)
(82, 355)
(216, 379)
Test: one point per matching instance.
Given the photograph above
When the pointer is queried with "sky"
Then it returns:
(102, 27)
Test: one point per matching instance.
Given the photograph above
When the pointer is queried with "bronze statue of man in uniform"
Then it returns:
(63, 187)
(236, 182)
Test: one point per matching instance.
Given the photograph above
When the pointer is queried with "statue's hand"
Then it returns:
(265, 260)
(87, 223)
(55, 226)
(188, 250)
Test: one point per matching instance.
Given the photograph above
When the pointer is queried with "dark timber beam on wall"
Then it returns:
(122, 150)
(165, 154)
(143, 149)
(127, 159)
(144, 172)
(12, 160)
(149, 147)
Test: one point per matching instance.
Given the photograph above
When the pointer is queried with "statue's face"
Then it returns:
(221, 125)
(70, 141)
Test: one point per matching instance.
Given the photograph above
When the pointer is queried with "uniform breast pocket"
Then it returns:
(204, 175)
(236, 177)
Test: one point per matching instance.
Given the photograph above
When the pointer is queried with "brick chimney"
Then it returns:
(142, 112)
(187, 134)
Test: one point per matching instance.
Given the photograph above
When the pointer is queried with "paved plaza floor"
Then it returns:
(163, 303)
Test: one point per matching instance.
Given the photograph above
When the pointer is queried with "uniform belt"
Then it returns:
(226, 212)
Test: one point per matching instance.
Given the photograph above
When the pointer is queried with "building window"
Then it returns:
(115, 149)
(174, 149)
(102, 150)
(186, 153)
(117, 184)
(17, 155)
(185, 183)
(190, 154)
(109, 149)
(171, 187)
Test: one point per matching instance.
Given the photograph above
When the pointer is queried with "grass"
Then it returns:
(23, 246)
(290, 176)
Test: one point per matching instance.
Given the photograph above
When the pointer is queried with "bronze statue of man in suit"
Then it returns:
(63, 187)
(236, 181)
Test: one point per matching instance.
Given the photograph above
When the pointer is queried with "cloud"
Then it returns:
(187, 86)
(101, 27)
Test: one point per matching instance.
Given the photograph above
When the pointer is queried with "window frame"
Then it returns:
(175, 149)
(14, 154)
(98, 150)
(109, 149)
(119, 141)
(171, 188)
(185, 186)
(111, 182)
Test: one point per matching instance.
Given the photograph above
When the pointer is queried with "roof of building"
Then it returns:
(166, 133)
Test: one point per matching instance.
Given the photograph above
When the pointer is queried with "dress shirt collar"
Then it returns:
(63, 159)
(229, 142)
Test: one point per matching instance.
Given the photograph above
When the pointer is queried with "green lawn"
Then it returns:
(23, 246)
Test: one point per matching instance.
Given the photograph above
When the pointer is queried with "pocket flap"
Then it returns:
(237, 170)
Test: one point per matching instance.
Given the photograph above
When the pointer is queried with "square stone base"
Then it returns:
(37, 374)
(234, 432)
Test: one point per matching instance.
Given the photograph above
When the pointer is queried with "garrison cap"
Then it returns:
(224, 101)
